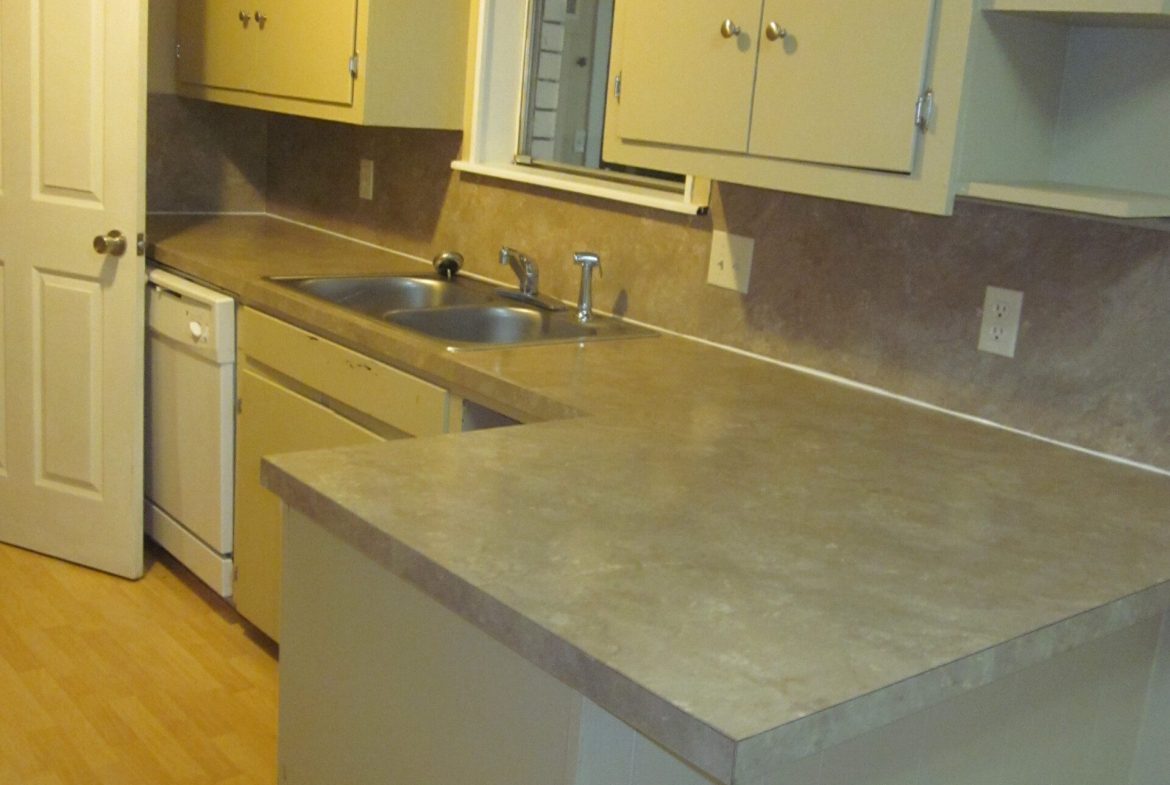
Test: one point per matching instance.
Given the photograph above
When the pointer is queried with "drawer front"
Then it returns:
(387, 394)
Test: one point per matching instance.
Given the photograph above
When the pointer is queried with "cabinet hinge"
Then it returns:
(353, 65)
(617, 86)
(239, 405)
(178, 51)
(924, 110)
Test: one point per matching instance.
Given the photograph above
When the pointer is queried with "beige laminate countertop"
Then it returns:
(744, 562)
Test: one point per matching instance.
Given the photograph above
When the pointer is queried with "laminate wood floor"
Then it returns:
(105, 681)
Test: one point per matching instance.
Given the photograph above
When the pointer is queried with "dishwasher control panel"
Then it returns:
(193, 316)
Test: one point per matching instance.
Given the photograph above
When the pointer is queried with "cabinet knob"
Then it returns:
(245, 17)
(729, 29)
(112, 244)
(261, 18)
(775, 32)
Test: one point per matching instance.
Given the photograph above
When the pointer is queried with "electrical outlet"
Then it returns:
(731, 261)
(366, 179)
(1001, 321)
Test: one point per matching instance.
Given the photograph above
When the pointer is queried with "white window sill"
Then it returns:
(693, 199)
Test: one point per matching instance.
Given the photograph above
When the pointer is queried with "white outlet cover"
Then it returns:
(731, 261)
(1001, 321)
(366, 179)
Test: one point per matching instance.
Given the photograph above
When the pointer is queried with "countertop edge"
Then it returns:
(728, 760)
(759, 754)
(698, 743)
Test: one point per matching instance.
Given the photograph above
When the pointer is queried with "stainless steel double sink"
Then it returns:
(463, 312)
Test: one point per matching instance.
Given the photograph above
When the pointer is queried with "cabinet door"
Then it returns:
(683, 82)
(216, 47)
(272, 419)
(841, 86)
(303, 50)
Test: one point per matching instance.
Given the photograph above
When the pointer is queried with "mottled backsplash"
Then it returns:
(884, 297)
(204, 157)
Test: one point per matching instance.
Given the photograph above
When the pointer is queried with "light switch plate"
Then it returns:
(731, 261)
(366, 179)
(1001, 321)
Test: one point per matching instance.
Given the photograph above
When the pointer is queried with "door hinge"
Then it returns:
(239, 405)
(924, 110)
(142, 243)
(353, 65)
(617, 86)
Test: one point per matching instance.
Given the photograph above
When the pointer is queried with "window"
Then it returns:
(537, 104)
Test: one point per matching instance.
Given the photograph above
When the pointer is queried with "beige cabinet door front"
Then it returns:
(218, 41)
(840, 86)
(303, 50)
(683, 82)
(272, 420)
(72, 122)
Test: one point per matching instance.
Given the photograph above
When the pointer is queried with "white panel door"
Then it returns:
(72, 153)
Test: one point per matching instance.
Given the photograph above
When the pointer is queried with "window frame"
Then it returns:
(496, 74)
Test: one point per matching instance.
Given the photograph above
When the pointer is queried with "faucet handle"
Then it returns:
(588, 260)
(525, 269)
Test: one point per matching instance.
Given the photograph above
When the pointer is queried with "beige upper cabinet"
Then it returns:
(838, 81)
(287, 67)
(1053, 103)
(373, 62)
(692, 86)
(213, 48)
(825, 81)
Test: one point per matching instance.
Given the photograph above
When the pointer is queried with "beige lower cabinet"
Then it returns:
(297, 391)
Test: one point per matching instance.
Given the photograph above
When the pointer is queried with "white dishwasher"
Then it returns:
(190, 424)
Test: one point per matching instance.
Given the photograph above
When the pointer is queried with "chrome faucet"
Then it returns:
(587, 261)
(525, 270)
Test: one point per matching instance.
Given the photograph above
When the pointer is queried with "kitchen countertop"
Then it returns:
(744, 562)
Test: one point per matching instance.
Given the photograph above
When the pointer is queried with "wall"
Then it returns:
(885, 297)
(200, 157)
(204, 157)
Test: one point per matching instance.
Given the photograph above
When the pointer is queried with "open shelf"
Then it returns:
(1079, 198)
(1069, 116)
(1129, 13)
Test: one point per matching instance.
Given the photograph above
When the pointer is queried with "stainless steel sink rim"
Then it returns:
(464, 314)
(376, 295)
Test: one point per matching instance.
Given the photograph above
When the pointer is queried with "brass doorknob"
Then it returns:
(729, 29)
(775, 31)
(112, 244)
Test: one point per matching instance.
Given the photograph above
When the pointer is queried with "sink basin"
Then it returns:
(506, 324)
(463, 312)
(379, 295)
